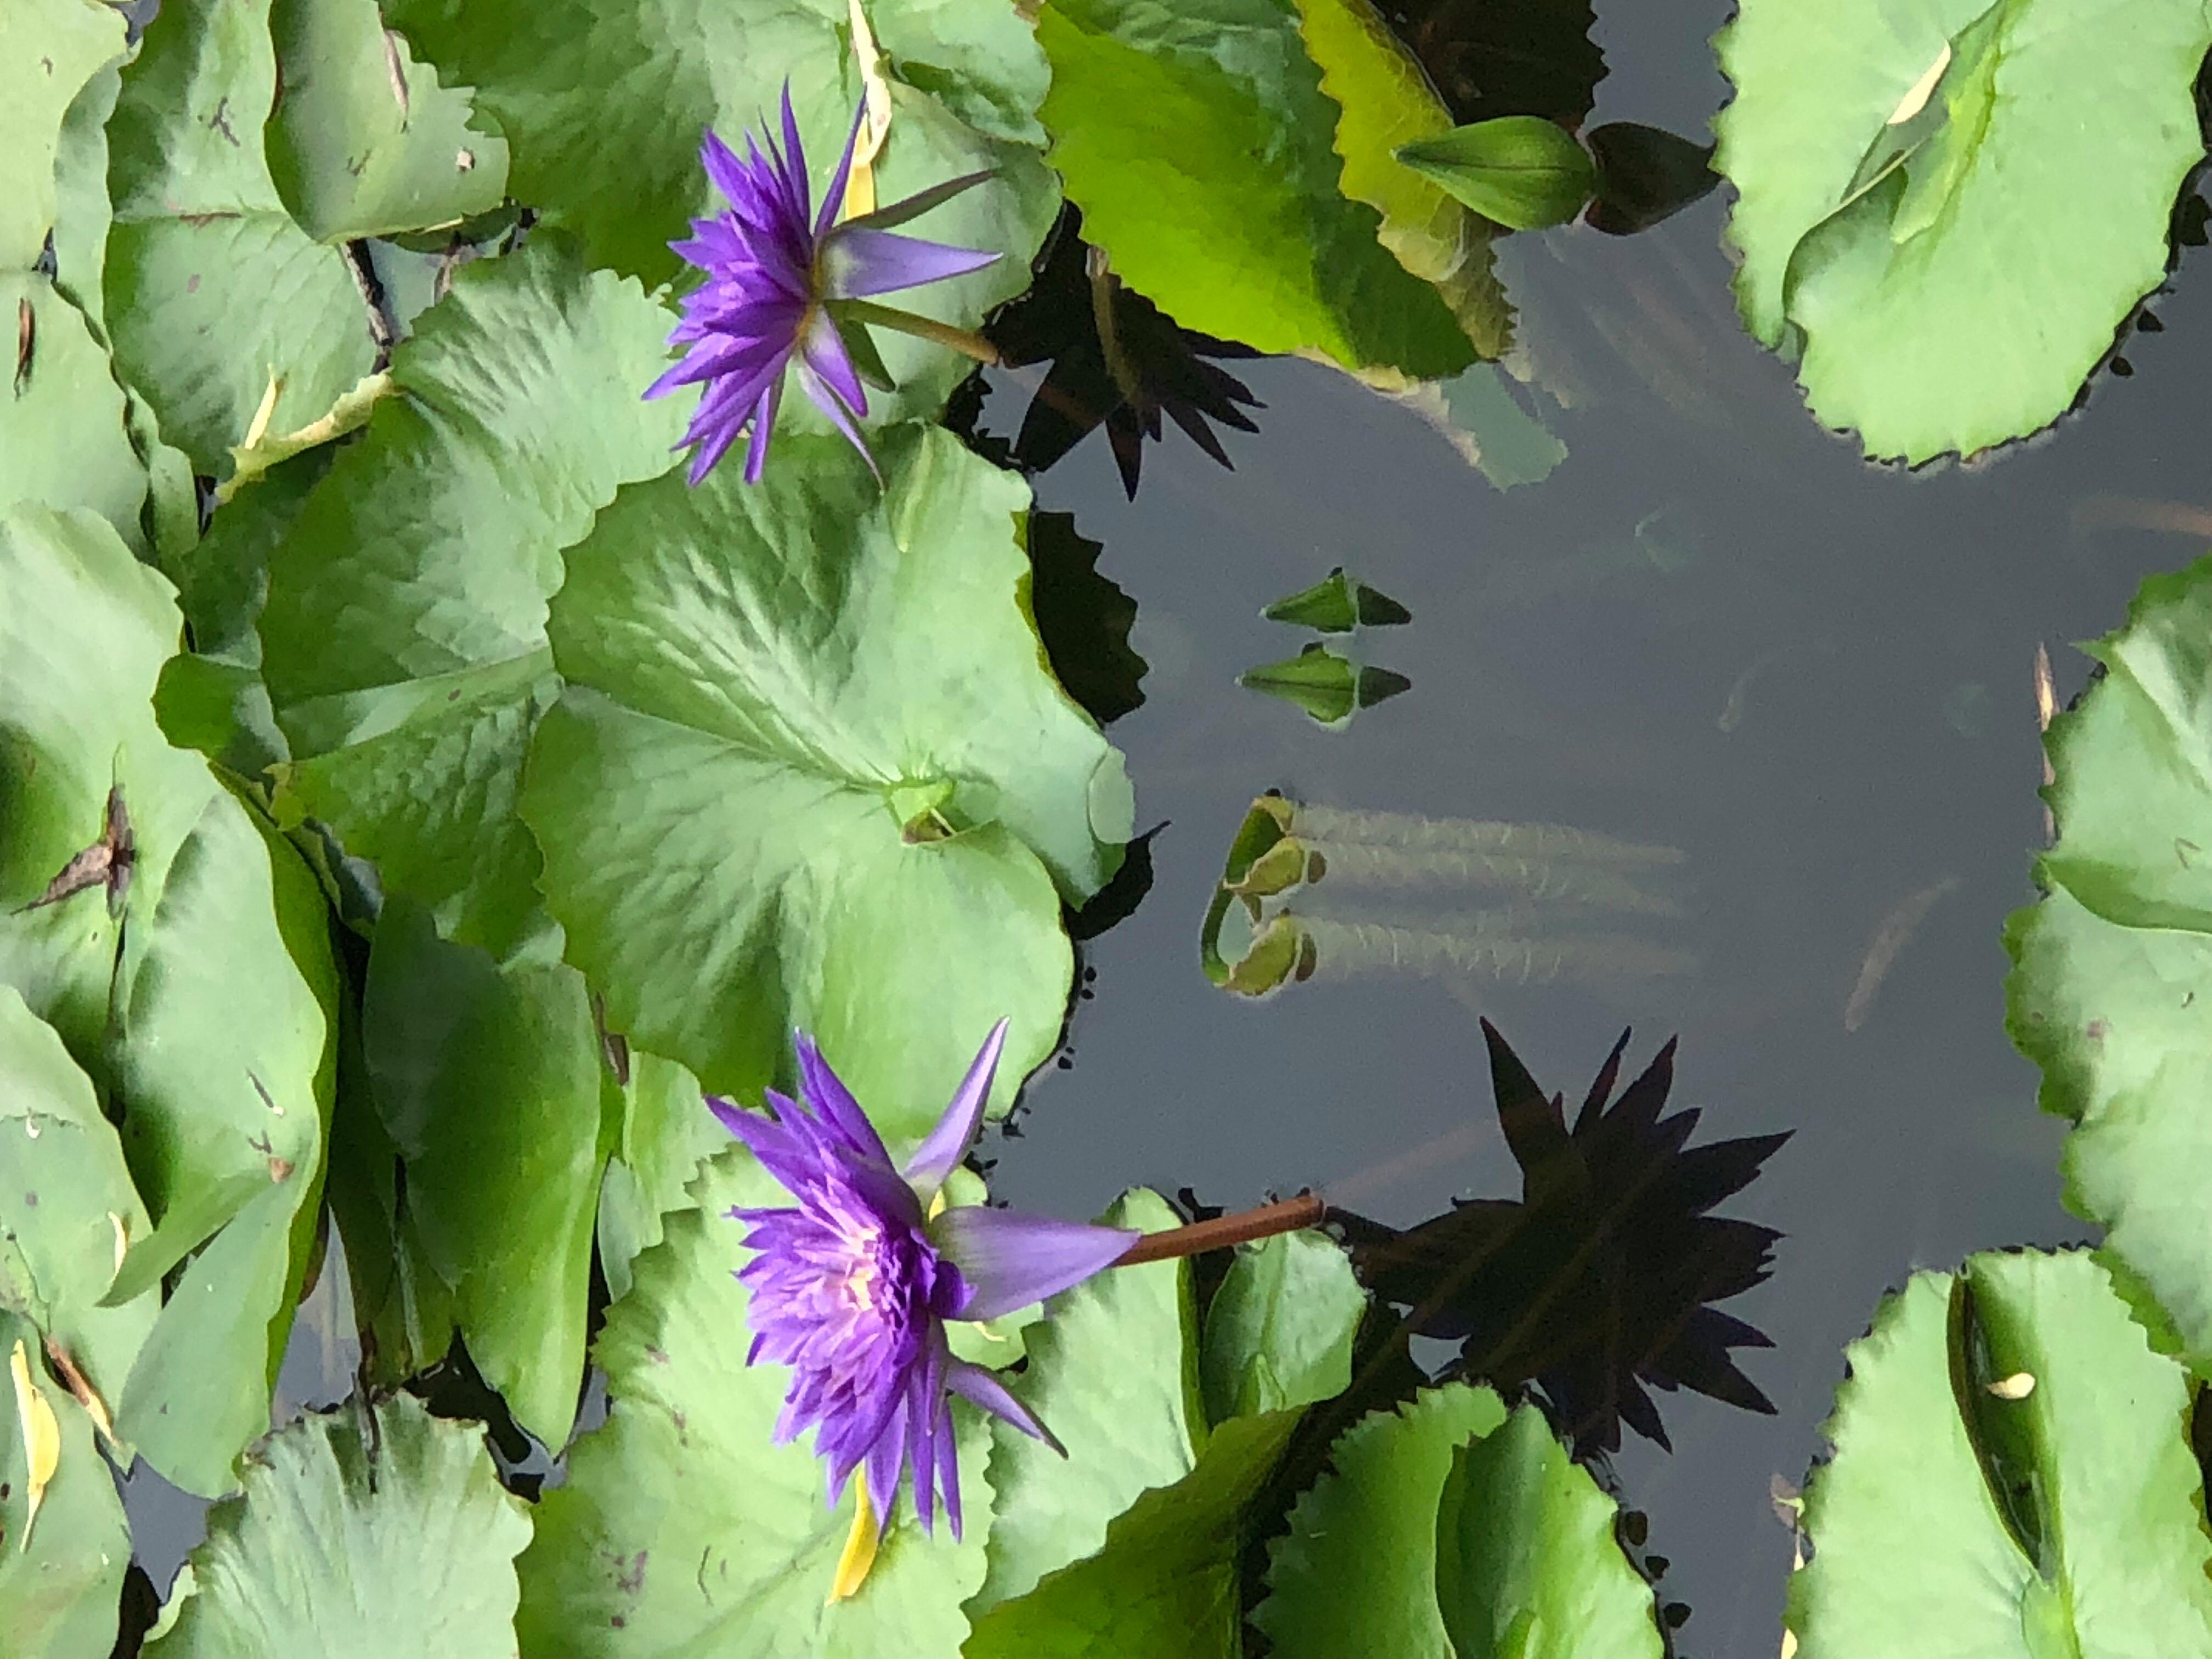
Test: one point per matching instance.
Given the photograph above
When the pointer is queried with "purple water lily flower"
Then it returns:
(776, 277)
(852, 1287)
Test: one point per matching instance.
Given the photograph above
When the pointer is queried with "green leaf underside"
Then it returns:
(1962, 301)
(604, 107)
(1386, 101)
(1132, 1544)
(684, 1528)
(1197, 141)
(356, 1538)
(348, 157)
(1527, 1562)
(404, 637)
(487, 1079)
(1911, 1549)
(808, 753)
(222, 1112)
(2111, 988)
(1372, 1523)
(210, 288)
(60, 1584)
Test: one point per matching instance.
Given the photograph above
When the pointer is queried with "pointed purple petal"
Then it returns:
(948, 1464)
(763, 422)
(857, 261)
(982, 1388)
(826, 1092)
(818, 393)
(823, 351)
(833, 199)
(1011, 1260)
(795, 153)
(941, 1151)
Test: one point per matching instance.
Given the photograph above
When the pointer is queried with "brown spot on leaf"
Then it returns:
(26, 339)
(105, 863)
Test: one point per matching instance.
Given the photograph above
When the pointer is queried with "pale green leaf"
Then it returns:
(2057, 1515)
(368, 1532)
(808, 753)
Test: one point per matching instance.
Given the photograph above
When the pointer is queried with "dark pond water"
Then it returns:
(1811, 676)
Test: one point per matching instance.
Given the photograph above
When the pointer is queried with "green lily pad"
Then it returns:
(684, 1528)
(212, 291)
(1279, 1330)
(1371, 1522)
(1197, 141)
(662, 1131)
(1526, 1562)
(808, 753)
(605, 108)
(66, 1205)
(1949, 286)
(1112, 1373)
(1133, 1542)
(205, 1021)
(404, 637)
(2012, 1477)
(48, 49)
(62, 437)
(2110, 993)
(367, 1531)
(363, 141)
(61, 1572)
(487, 1078)
(1386, 101)
(167, 524)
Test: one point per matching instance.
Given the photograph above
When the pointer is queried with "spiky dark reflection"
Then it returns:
(1595, 1281)
(1117, 360)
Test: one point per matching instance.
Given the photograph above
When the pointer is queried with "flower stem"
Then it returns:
(928, 328)
(1285, 1216)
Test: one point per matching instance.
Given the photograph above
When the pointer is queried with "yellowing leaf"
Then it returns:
(42, 1436)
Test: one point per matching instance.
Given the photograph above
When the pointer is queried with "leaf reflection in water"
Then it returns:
(1339, 892)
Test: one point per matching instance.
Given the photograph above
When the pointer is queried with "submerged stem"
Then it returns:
(1285, 1216)
(962, 340)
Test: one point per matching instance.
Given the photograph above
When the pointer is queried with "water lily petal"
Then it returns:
(834, 197)
(1011, 1260)
(955, 1132)
(826, 1093)
(756, 451)
(982, 1388)
(859, 261)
